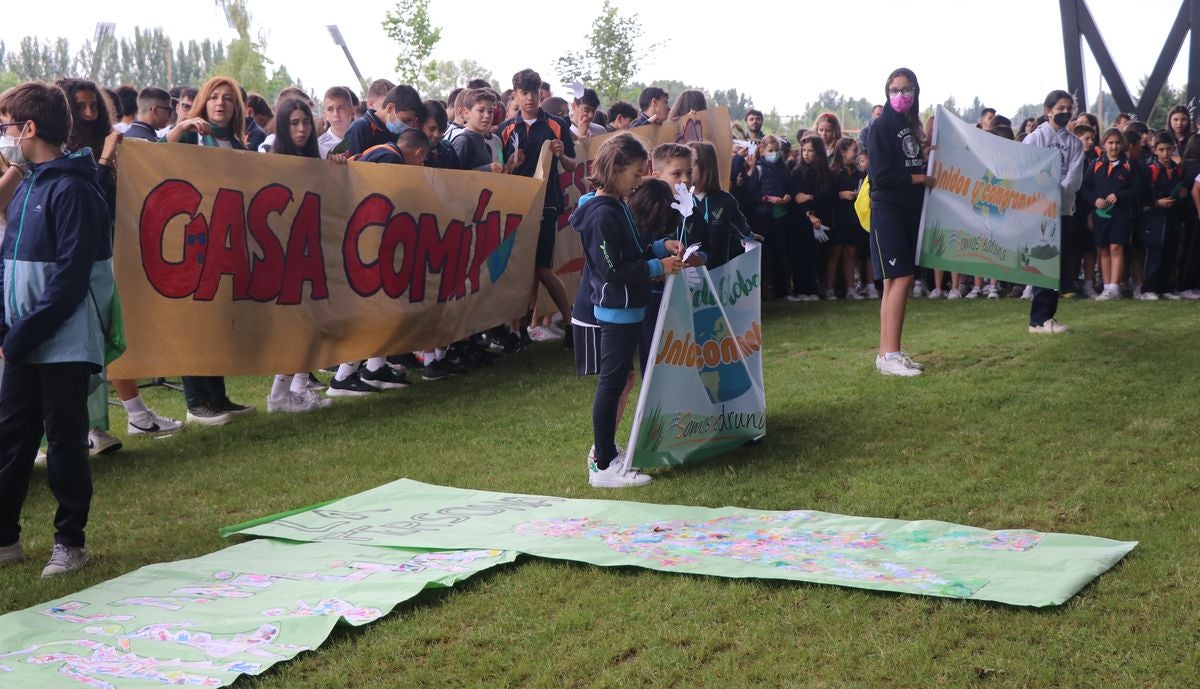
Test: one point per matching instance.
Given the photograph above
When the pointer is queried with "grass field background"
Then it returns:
(1092, 432)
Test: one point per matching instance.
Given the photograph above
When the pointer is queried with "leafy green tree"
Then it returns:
(245, 60)
(36, 60)
(409, 26)
(612, 57)
(737, 102)
(194, 60)
(443, 76)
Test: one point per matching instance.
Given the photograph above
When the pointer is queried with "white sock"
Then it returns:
(888, 356)
(376, 362)
(428, 357)
(135, 406)
(439, 354)
(345, 370)
(281, 385)
(300, 383)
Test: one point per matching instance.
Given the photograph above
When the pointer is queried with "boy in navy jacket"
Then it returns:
(57, 286)
(1161, 219)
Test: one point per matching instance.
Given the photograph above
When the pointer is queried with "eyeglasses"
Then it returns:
(910, 91)
(4, 125)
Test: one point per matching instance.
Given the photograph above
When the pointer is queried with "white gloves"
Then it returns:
(821, 233)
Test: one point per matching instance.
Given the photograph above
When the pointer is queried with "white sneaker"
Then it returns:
(830, 295)
(853, 294)
(974, 293)
(64, 559)
(809, 297)
(895, 367)
(908, 361)
(101, 443)
(953, 293)
(1171, 296)
(993, 292)
(615, 476)
(873, 293)
(1190, 294)
(151, 423)
(555, 330)
(918, 289)
(793, 298)
(1089, 290)
(1027, 293)
(1050, 327)
(541, 333)
(1109, 294)
(936, 293)
(1149, 296)
(313, 397)
(1137, 292)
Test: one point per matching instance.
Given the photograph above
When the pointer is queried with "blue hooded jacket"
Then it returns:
(57, 273)
(618, 265)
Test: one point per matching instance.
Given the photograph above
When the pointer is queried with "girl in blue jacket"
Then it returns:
(619, 266)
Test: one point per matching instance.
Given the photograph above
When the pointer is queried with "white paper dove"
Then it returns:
(750, 146)
(684, 201)
(577, 89)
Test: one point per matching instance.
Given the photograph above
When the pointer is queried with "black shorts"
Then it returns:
(894, 240)
(586, 345)
(546, 234)
(1109, 231)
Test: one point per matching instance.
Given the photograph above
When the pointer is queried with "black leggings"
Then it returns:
(618, 342)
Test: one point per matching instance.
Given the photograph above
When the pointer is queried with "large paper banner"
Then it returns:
(923, 557)
(707, 125)
(703, 391)
(995, 209)
(203, 622)
(231, 262)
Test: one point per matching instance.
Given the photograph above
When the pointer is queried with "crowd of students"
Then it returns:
(1135, 221)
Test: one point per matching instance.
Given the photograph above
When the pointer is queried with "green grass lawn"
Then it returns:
(1093, 432)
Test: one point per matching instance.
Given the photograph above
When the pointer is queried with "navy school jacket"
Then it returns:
(57, 266)
(822, 204)
(530, 138)
(895, 157)
(1120, 177)
(726, 227)
(1162, 181)
(365, 132)
(618, 262)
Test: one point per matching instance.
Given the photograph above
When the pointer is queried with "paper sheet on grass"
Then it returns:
(203, 622)
(922, 557)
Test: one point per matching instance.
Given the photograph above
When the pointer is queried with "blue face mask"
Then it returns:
(772, 157)
(396, 126)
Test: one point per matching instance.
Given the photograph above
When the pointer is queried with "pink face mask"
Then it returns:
(901, 103)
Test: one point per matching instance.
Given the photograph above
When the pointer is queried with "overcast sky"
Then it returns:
(783, 53)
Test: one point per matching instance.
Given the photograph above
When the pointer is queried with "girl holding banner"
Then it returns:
(1053, 133)
(898, 182)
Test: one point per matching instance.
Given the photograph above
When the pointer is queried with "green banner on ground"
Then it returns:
(203, 622)
(703, 389)
(922, 557)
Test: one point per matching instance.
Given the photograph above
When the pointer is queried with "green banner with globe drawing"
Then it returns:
(204, 622)
(703, 389)
(995, 210)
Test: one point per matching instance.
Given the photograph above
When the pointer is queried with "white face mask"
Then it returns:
(10, 148)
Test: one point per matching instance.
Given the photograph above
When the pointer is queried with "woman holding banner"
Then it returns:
(1059, 107)
(897, 172)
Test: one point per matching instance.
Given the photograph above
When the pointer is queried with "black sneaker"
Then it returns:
(228, 406)
(352, 386)
(435, 370)
(207, 416)
(386, 378)
(456, 365)
(512, 343)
